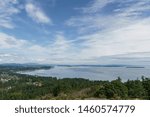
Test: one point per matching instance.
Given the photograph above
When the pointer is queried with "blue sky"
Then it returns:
(75, 31)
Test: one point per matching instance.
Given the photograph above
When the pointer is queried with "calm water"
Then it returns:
(93, 73)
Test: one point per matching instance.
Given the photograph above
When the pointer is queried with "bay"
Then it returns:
(93, 73)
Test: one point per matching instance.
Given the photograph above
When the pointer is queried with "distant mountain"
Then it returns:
(10, 64)
(94, 65)
(65, 65)
(23, 65)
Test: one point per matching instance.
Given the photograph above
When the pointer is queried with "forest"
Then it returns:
(14, 86)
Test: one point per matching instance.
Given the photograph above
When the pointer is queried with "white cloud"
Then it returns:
(124, 11)
(60, 44)
(20, 50)
(134, 9)
(122, 30)
(96, 5)
(8, 8)
(121, 35)
(7, 41)
(16, 50)
(127, 7)
(129, 39)
(37, 14)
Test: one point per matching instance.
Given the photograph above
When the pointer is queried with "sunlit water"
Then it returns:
(93, 73)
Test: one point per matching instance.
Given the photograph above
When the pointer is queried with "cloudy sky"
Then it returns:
(75, 31)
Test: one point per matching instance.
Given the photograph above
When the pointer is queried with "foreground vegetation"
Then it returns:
(17, 86)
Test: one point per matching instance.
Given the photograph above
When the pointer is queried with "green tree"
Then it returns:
(146, 85)
(135, 89)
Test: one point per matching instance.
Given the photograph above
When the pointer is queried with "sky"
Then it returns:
(75, 31)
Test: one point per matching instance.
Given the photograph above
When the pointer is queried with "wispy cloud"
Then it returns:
(121, 29)
(134, 9)
(37, 14)
(96, 6)
(11, 8)
(95, 17)
(108, 31)
(8, 8)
